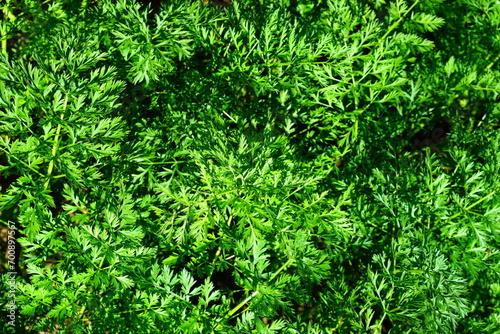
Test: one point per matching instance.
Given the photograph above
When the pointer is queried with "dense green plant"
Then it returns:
(262, 167)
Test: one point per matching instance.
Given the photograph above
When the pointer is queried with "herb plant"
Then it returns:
(286, 166)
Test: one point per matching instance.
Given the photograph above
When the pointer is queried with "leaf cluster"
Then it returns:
(259, 167)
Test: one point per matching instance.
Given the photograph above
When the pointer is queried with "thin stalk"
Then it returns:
(4, 42)
(22, 162)
(7, 13)
(493, 62)
(252, 296)
(474, 204)
(486, 88)
(283, 267)
(477, 88)
(56, 144)
(82, 310)
(470, 207)
(240, 305)
(396, 24)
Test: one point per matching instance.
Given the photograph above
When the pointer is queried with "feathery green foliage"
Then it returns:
(277, 166)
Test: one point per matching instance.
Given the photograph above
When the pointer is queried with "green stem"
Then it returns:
(252, 296)
(22, 162)
(283, 267)
(493, 62)
(470, 207)
(396, 24)
(476, 88)
(89, 291)
(474, 204)
(6, 13)
(56, 144)
(240, 305)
